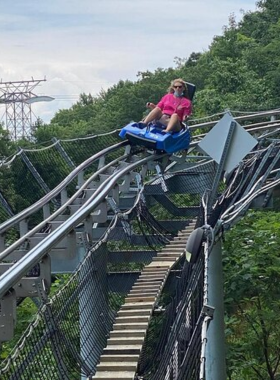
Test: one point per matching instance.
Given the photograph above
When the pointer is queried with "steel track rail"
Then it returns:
(17, 271)
(237, 118)
(248, 128)
(53, 193)
(32, 232)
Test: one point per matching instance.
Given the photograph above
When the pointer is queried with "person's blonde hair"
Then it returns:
(183, 83)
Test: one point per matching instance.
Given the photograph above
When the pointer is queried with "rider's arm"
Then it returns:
(150, 105)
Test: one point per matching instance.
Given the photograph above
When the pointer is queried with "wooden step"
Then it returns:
(150, 285)
(119, 358)
(130, 325)
(146, 288)
(169, 249)
(142, 280)
(142, 305)
(154, 272)
(130, 341)
(131, 319)
(149, 279)
(146, 294)
(112, 375)
(177, 242)
(169, 254)
(186, 233)
(133, 312)
(162, 265)
(140, 299)
(145, 284)
(117, 366)
(123, 349)
(127, 333)
(150, 268)
(139, 291)
(167, 258)
(180, 239)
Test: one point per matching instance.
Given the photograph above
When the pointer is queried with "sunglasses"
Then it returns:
(177, 86)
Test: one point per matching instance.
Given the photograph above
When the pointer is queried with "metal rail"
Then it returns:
(53, 193)
(252, 128)
(17, 271)
(238, 118)
(30, 233)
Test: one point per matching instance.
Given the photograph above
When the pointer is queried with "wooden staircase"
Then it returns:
(120, 358)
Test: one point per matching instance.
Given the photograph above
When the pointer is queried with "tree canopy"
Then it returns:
(239, 71)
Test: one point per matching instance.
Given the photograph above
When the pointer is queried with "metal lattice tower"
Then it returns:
(18, 97)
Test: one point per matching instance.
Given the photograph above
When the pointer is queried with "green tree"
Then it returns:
(252, 295)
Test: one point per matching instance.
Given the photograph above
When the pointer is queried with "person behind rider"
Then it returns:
(173, 108)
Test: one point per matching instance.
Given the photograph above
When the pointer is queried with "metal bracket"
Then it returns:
(208, 310)
(7, 316)
(27, 286)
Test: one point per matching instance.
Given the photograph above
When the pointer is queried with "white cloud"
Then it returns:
(86, 45)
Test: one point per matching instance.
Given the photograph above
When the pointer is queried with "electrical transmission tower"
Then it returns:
(17, 98)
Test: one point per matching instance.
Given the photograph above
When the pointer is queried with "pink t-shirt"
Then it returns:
(170, 104)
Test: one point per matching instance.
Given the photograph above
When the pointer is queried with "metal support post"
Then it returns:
(80, 179)
(63, 153)
(46, 211)
(36, 175)
(215, 348)
(23, 227)
(6, 205)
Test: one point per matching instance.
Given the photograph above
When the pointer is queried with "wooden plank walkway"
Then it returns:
(120, 358)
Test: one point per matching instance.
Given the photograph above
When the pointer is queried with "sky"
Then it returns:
(88, 45)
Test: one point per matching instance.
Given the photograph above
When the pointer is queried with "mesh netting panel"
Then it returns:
(21, 187)
(135, 241)
(72, 328)
(81, 149)
(70, 331)
(26, 190)
(50, 165)
(173, 338)
(3, 214)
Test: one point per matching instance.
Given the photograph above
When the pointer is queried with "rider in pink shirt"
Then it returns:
(170, 104)
(173, 108)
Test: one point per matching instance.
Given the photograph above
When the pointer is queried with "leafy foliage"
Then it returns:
(252, 295)
(25, 315)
